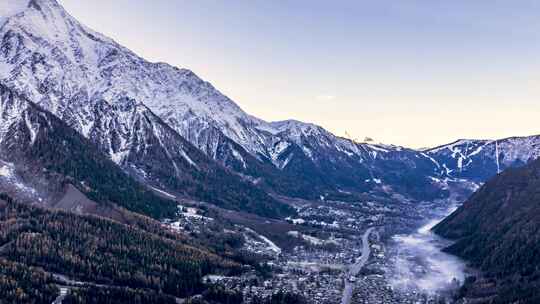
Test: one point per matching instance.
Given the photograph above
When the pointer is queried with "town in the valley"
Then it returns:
(327, 245)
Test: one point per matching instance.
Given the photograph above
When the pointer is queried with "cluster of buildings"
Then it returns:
(319, 269)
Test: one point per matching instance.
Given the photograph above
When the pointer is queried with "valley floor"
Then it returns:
(344, 254)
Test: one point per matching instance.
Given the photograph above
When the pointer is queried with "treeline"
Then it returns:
(97, 250)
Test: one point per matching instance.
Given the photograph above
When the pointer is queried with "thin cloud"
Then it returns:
(325, 97)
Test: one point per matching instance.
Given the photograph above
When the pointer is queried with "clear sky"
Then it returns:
(410, 72)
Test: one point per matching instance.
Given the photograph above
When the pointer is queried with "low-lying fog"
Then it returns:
(418, 264)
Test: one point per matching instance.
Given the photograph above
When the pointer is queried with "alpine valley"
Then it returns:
(127, 181)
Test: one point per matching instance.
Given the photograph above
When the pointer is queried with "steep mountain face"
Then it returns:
(44, 160)
(479, 160)
(102, 90)
(106, 92)
(498, 231)
(41, 137)
(67, 68)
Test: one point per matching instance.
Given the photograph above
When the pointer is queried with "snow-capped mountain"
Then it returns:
(63, 65)
(103, 91)
(153, 119)
(308, 151)
(93, 84)
(478, 160)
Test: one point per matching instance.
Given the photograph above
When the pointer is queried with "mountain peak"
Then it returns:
(10, 8)
(46, 19)
(288, 125)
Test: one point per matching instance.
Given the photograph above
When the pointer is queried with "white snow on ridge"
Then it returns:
(31, 128)
(431, 158)
(93, 72)
(518, 148)
(503, 153)
(284, 164)
(278, 148)
(451, 147)
(297, 127)
(9, 8)
(377, 148)
(448, 170)
(477, 151)
(89, 68)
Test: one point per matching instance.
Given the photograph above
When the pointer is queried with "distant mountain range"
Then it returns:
(479, 160)
(171, 130)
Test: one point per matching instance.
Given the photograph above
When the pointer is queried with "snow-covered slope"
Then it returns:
(48, 154)
(103, 90)
(308, 151)
(148, 117)
(16, 120)
(479, 160)
(63, 65)
(106, 93)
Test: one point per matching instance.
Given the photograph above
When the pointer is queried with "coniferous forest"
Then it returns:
(127, 260)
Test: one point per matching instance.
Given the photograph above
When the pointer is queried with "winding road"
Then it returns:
(356, 267)
(63, 293)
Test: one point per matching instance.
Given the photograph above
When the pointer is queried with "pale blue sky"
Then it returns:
(408, 72)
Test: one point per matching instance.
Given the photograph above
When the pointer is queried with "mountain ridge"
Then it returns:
(132, 108)
(53, 60)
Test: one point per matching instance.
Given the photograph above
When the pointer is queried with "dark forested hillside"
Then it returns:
(115, 295)
(498, 231)
(100, 251)
(22, 284)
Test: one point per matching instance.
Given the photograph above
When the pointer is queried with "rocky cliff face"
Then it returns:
(42, 159)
